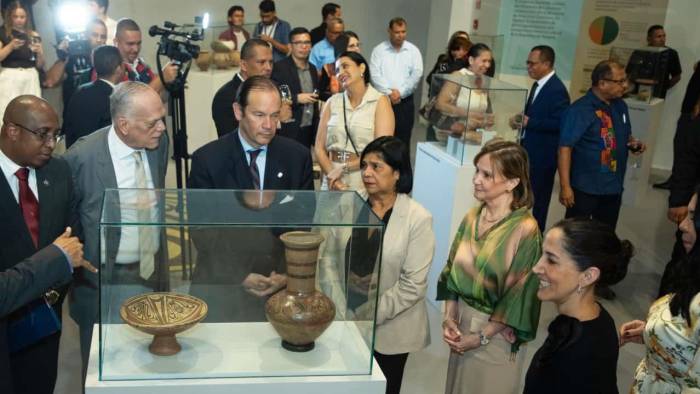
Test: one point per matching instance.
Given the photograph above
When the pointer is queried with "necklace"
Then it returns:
(487, 220)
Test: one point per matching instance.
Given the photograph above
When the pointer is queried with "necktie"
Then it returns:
(254, 172)
(28, 204)
(531, 97)
(145, 201)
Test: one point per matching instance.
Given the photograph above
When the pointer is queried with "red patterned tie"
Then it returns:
(29, 204)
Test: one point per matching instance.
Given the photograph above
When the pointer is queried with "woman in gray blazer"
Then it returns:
(407, 251)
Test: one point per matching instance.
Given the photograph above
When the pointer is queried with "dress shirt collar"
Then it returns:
(248, 147)
(108, 82)
(389, 47)
(8, 166)
(118, 148)
(543, 80)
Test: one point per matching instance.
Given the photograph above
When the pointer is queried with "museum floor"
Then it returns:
(645, 226)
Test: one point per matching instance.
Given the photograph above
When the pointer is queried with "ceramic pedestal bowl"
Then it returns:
(163, 315)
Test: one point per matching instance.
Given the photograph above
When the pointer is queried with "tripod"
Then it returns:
(176, 108)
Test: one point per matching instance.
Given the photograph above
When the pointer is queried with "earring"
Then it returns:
(579, 289)
(362, 75)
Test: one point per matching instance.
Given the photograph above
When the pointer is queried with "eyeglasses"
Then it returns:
(301, 42)
(45, 136)
(617, 81)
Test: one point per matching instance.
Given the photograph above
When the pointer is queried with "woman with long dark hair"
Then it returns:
(671, 332)
(580, 353)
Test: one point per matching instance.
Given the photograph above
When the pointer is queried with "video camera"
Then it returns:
(176, 40)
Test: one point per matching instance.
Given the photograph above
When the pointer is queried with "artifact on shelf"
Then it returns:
(300, 313)
(163, 315)
(224, 57)
(203, 60)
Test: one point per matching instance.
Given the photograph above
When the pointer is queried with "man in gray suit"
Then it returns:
(117, 156)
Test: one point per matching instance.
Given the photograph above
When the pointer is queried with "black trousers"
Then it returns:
(392, 366)
(677, 255)
(404, 113)
(604, 208)
(542, 180)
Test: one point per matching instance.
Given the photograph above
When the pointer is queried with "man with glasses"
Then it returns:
(323, 53)
(596, 135)
(296, 72)
(129, 154)
(36, 195)
(545, 105)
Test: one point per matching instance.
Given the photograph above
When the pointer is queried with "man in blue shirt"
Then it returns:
(323, 52)
(396, 67)
(595, 136)
(273, 30)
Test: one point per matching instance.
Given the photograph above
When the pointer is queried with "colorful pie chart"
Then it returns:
(603, 30)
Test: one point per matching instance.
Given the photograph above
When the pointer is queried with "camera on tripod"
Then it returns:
(176, 41)
(74, 18)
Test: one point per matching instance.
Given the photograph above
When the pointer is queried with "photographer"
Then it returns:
(74, 66)
(128, 41)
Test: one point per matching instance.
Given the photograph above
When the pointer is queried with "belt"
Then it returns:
(341, 156)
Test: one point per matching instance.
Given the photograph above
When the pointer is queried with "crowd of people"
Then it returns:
(303, 96)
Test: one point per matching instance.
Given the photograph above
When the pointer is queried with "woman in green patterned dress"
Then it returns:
(490, 293)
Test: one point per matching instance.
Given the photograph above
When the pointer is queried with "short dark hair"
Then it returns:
(476, 50)
(397, 21)
(341, 43)
(106, 59)
(603, 70)
(459, 42)
(102, 3)
(329, 9)
(127, 24)
(358, 59)
(591, 243)
(335, 21)
(395, 154)
(267, 6)
(546, 53)
(652, 29)
(233, 9)
(247, 51)
(97, 21)
(257, 82)
(296, 31)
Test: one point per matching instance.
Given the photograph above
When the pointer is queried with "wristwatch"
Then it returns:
(483, 339)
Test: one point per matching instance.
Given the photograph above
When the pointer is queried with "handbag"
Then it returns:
(435, 117)
(30, 324)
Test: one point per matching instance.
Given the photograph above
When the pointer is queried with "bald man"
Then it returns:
(114, 157)
(36, 195)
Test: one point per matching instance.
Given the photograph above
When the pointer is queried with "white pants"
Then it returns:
(16, 82)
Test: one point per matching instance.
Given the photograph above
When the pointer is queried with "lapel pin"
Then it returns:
(46, 182)
(279, 174)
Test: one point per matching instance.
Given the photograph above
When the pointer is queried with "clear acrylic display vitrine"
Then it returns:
(162, 251)
(467, 110)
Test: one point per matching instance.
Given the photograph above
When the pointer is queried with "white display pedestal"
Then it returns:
(444, 187)
(646, 120)
(233, 358)
(199, 93)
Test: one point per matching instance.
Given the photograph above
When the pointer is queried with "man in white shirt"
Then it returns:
(99, 9)
(396, 67)
(131, 153)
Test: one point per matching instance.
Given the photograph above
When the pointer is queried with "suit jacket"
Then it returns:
(285, 72)
(93, 172)
(56, 210)
(407, 252)
(87, 111)
(222, 106)
(227, 255)
(541, 138)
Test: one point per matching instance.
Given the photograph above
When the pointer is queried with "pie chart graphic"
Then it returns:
(603, 30)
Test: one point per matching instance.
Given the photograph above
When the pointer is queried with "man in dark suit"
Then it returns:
(88, 108)
(296, 72)
(36, 206)
(545, 105)
(113, 157)
(237, 268)
(256, 59)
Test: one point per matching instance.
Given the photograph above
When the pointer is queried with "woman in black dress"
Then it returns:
(581, 350)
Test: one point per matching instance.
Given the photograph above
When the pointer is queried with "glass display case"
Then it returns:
(646, 69)
(467, 110)
(223, 283)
